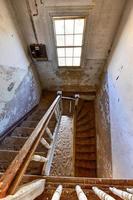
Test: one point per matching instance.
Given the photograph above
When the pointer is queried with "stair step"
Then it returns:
(16, 143)
(6, 157)
(33, 124)
(86, 134)
(22, 132)
(85, 156)
(85, 164)
(86, 120)
(84, 141)
(85, 148)
(83, 172)
(89, 126)
(29, 124)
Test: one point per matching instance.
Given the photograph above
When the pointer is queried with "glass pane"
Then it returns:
(69, 40)
(61, 61)
(60, 40)
(77, 52)
(59, 26)
(79, 25)
(69, 52)
(68, 61)
(76, 61)
(61, 52)
(78, 40)
(69, 26)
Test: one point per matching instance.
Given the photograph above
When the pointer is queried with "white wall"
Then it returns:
(18, 86)
(120, 81)
(102, 21)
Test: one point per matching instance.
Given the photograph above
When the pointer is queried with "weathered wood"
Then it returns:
(87, 97)
(80, 193)
(57, 193)
(122, 194)
(49, 133)
(47, 166)
(38, 158)
(74, 131)
(102, 195)
(22, 160)
(130, 190)
(44, 143)
(29, 191)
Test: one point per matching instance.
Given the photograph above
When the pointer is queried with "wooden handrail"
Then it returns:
(14, 174)
(74, 129)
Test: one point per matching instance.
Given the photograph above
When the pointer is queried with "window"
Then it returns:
(69, 40)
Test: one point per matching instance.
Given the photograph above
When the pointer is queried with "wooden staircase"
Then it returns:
(85, 140)
(11, 145)
(29, 153)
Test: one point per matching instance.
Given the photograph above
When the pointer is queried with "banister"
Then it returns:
(74, 129)
(14, 174)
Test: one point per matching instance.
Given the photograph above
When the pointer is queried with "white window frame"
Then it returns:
(83, 36)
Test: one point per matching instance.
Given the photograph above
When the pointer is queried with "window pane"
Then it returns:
(79, 25)
(69, 40)
(76, 61)
(59, 26)
(69, 52)
(61, 61)
(77, 52)
(61, 52)
(69, 26)
(68, 61)
(60, 40)
(78, 40)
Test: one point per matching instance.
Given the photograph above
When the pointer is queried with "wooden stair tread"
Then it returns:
(86, 141)
(86, 134)
(85, 164)
(16, 143)
(7, 156)
(85, 156)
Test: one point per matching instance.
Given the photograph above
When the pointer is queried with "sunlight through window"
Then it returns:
(69, 40)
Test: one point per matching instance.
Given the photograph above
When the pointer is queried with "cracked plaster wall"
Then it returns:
(102, 22)
(19, 85)
(120, 83)
(103, 136)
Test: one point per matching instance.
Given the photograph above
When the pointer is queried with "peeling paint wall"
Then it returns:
(120, 81)
(104, 157)
(19, 87)
(102, 22)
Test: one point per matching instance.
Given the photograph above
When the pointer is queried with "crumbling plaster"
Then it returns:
(103, 136)
(102, 21)
(19, 86)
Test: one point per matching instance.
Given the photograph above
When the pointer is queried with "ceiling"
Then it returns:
(103, 18)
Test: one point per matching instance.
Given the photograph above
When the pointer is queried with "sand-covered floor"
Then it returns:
(62, 160)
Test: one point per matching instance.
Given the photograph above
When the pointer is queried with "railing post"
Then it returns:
(59, 108)
(74, 129)
(122, 194)
(101, 194)
(57, 193)
(80, 193)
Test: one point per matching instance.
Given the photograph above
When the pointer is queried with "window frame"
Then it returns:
(61, 17)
